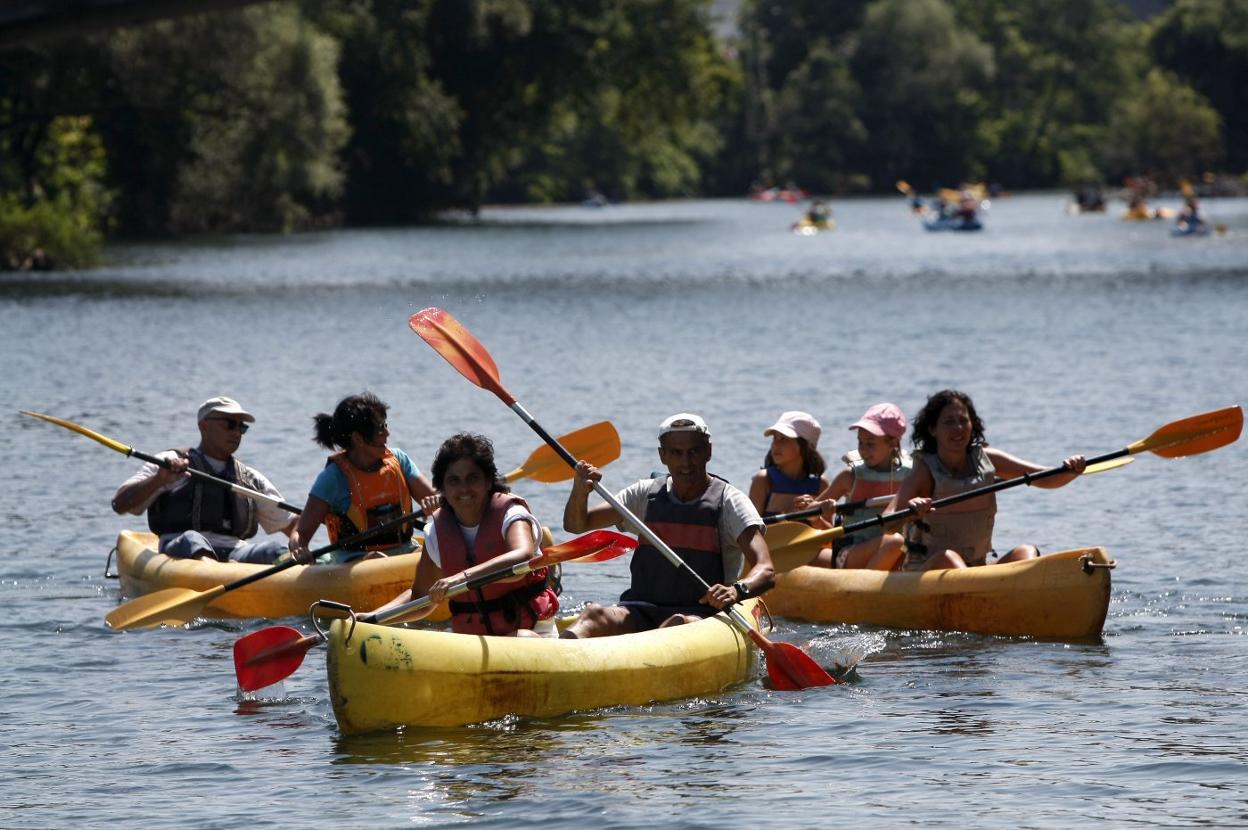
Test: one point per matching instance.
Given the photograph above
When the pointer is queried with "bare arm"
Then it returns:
(578, 516)
(314, 513)
(521, 547)
(1009, 466)
(760, 490)
(759, 573)
(137, 491)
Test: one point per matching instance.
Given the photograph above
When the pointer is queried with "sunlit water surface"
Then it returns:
(1073, 334)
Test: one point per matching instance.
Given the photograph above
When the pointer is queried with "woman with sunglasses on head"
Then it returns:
(199, 519)
(364, 484)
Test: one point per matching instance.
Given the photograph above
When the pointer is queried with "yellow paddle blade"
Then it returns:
(172, 606)
(1194, 435)
(904, 186)
(81, 430)
(1104, 466)
(599, 444)
(793, 544)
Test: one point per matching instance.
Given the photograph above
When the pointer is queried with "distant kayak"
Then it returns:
(806, 227)
(1145, 214)
(775, 194)
(1191, 229)
(953, 223)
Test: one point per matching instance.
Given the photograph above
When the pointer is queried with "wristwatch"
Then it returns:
(742, 589)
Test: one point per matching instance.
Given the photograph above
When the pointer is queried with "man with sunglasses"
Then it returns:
(199, 519)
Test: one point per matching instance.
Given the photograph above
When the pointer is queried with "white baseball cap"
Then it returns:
(684, 422)
(223, 406)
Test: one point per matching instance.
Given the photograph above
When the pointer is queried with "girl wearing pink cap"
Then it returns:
(793, 467)
(876, 469)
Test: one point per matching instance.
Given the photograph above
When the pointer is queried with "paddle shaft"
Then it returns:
(877, 501)
(1025, 478)
(255, 495)
(343, 543)
(627, 515)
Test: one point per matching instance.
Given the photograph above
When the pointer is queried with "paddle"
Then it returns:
(787, 665)
(272, 654)
(599, 444)
(177, 606)
(793, 544)
(881, 501)
(254, 495)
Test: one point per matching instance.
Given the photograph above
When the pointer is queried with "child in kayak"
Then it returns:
(953, 457)
(793, 466)
(877, 468)
(362, 485)
(479, 528)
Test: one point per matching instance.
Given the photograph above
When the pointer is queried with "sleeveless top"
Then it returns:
(376, 497)
(204, 506)
(868, 484)
(784, 490)
(498, 608)
(691, 529)
(966, 527)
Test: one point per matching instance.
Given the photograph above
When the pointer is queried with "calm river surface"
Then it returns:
(1073, 334)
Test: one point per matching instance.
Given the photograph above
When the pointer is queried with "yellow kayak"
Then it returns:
(363, 584)
(384, 677)
(808, 227)
(1059, 596)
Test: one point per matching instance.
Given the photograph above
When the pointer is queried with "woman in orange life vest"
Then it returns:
(479, 528)
(362, 485)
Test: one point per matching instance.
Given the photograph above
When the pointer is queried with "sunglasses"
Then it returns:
(234, 423)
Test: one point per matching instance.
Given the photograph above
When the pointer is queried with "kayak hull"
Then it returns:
(385, 677)
(1059, 596)
(363, 584)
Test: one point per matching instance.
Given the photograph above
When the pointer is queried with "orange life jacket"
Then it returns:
(376, 497)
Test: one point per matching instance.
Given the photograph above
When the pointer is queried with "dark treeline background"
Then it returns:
(326, 112)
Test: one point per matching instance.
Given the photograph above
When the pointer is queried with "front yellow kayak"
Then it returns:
(385, 677)
(363, 584)
(1059, 596)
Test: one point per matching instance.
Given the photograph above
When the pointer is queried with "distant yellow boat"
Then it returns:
(1059, 596)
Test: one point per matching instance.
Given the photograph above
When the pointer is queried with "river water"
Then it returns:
(1073, 334)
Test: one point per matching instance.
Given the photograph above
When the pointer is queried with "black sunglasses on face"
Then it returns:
(234, 423)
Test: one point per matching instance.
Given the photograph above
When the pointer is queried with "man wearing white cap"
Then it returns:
(196, 518)
(710, 524)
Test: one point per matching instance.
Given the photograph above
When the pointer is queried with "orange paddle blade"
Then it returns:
(1194, 435)
(789, 668)
(456, 344)
(270, 655)
(599, 444)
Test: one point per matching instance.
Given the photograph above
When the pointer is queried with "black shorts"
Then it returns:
(646, 616)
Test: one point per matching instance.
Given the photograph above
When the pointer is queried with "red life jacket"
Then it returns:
(375, 498)
(498, 608)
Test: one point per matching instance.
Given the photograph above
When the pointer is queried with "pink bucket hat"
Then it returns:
(797, 425)
(882, 419)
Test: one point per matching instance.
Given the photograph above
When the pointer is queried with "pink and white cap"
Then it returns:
(883, 419)
(795, 424)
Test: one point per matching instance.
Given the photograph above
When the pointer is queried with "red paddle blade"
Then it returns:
(597, 546)
(456, 344)
(790, 668)
(269, 655)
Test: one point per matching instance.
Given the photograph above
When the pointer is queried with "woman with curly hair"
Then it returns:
(952, 456)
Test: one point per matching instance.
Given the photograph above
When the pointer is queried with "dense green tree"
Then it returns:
(924, 79)
(1205, 42)
(1166, 130)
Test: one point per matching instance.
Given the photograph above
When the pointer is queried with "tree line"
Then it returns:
(289, 115)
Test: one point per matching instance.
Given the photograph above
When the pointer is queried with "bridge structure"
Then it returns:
(24, 22)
